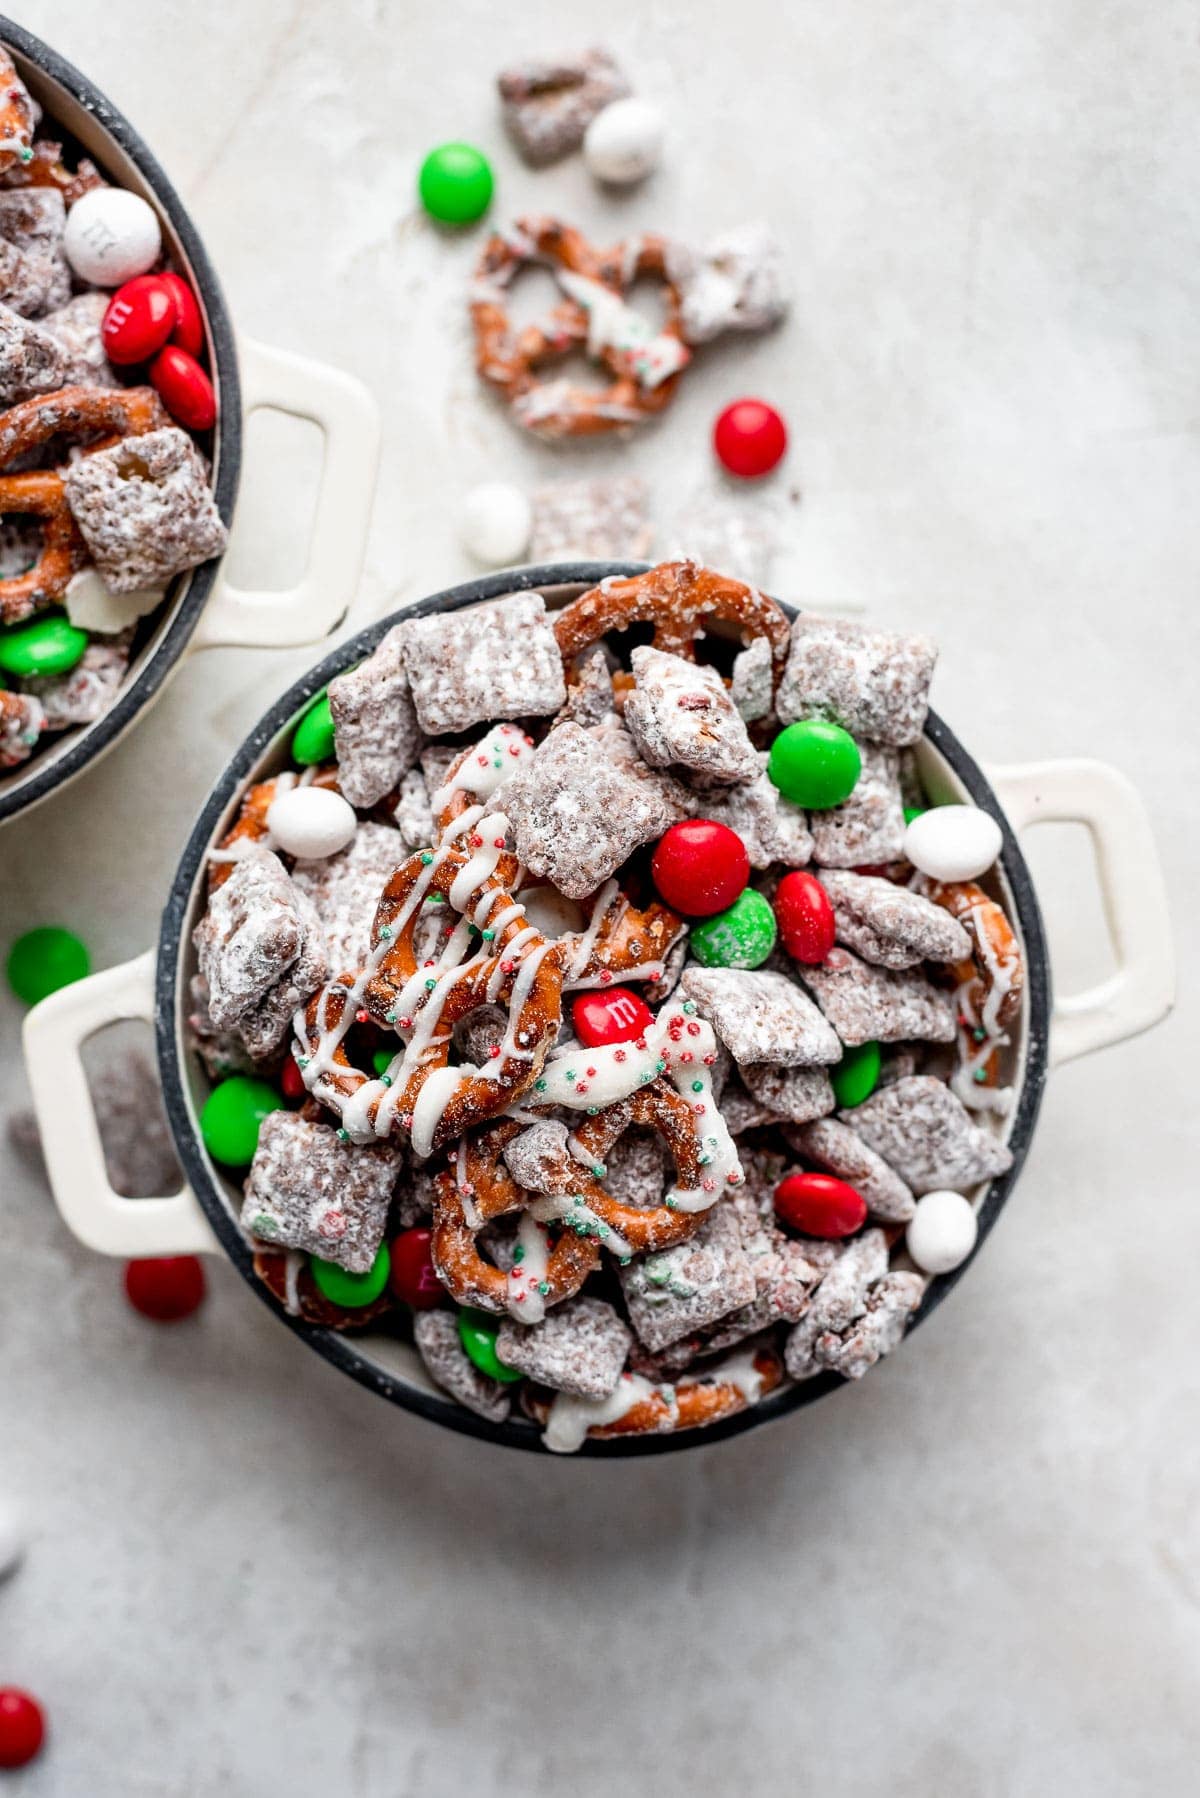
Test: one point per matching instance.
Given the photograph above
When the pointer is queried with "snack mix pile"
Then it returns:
(615, 1021)
(104, 497)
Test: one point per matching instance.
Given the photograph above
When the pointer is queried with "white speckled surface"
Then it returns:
(978, 1573)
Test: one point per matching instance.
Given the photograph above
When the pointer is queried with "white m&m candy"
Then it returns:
(111, 235)
(496, 521)
(311, 823)
(953, 842)
(941, 1232)
(624, 142)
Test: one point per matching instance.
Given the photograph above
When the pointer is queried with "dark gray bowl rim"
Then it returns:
(341, 1350)
(96, 738)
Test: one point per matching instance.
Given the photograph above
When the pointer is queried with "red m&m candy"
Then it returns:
(22, 1727)
(184, 388)
(750, 438)
(188, 331)
(291, 1082)
(819, 1205)
(141, 316)
(412, 1277)
(700, 867)
(613, 1016)
(804, 914)
(166, 1287)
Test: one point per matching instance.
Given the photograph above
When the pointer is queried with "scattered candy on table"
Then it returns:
(45, 959)
(856, 1075)
(741, 937)
(820, 1205)
(497, 519)
(188, 332)
(48, 644)
(184, 388)
(953, 842)
(311, 823)
(700, 867)
(141, 316)
(351, 1291)
(111, 235)
(412, 1277)
(804, 913)
(815, 764)
(232, 1116)
(477, 1332)
(12, 1540)
(623, 143)
(941, 1232)
(615, 1015)
(455, 184)
(165, 1287)
(312, 739)
(22, 1727)
(750, 439)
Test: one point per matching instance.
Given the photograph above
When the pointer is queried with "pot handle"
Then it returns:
(348, 416)
(102, 1219)
(1142, 990)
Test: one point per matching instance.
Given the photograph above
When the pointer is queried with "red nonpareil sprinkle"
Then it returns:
(699, 1110)
(406, 1023)
(482, 760)
(476, 840)
(687, 1056)
(518, 1298)
(494, 1050)
(677, 1023)
(709, 1185)
(582, 1087)
(528, 741)
(362, 1017)
(514, 748)
(590, 1072)
(497, 842)
(693, 1028)
(709, 1060)
(734, 1179)
(618, 1054)
(605, 977)
(654, 975)
(640, 1042)
(506, 967)
(429, 962)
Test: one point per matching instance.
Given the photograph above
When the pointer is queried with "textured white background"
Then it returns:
(978, 1573)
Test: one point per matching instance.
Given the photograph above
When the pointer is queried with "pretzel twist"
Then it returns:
(992, 982)
(250, 825)
(691, 1404)
(47, 169)
(40, 494)
(18, 120)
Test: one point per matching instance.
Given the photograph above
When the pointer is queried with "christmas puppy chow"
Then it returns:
(592, 1197)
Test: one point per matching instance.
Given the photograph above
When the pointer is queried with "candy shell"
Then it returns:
(613, 1015)
(819, 1205)
(188, 330)
(953, 842)
(941, 1232)
(291, 1082)
(139, 319)
(477, 1333)
(623, 143)
(750, 439)
(312, 739)
(815, 764)
(804, 912)
(48, 644)
(311, 823)
(184, 388)
(232, 1116)
(455, 184)
(741, 937)
(700, 867)
(412, 1278)
(856, 1075)
(351, 1291)
(22, 1727)
(496, 521)
(110, 236)
(43, 960)
(165, 1287)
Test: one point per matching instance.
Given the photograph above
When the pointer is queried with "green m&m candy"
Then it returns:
(477, 1333)
(741, 937)
(913, 811)
(856, 1075)
(351, 1291)
(232, 1115)
(312, 739)
(49, 644)
(815, 764)
(43, 960)
(382, 1060)
(455, 184)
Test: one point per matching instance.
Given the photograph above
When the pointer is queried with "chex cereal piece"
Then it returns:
(412, 1202)
(854, 1350)
(145, 509)
(621, 748)
(222, 1051)
(534, 1155)
(35, 276)
(261, 950)
(77, 328)
(593, 520)
(576, 815)
(636, 1169)
(840, 1298)
(414, 811)
(680, 713)
(590, 691)
(891, 925)
(835, 1148)
(926, 1133)
(874, 683)
(783, 1274)
(375, 725)
(750, 681)
(793, 836)
(88, 691)
(796, 1094)
(735, 282)
(762, 1017)
(549, 103)
(742, 1111)
(139, 1154)
(867, 1004)
(344, 891)
(447, 1362)
(868, 828)
(680, 1290)
(580, 1347)
(501, 663)
(22, 720)
(31, 359)
(435, 762)
(308, 1190)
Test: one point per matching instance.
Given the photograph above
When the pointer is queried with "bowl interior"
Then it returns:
(388, 1362)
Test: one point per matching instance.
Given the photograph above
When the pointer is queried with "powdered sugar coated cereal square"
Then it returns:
(926, 1133)
(867, 1004)
(680, 713)
(868, 828)
(579, 1347)
(501, 661)
(308, 1190)
(145, 509)
(874, 683)
(375, 723)
(762, 1017)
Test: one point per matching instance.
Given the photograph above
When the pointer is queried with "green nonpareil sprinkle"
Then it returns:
(979, 1034)
(389, 1017)
(519, 1253)
(539, 1086)
(599, 1171)
(426, 858)
(980, 1076)
(385, 1079)
(429, 985)
(343, 1136)
(697, 1086)
(489, 936)
(543, 1287)
(689, 1007)
(385, 931)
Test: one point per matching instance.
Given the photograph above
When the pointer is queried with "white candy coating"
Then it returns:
(311, 823)
(12, 1540)
(111, 235)
(953, 842)
(624, 142)
(941, 1232)
(496, 521)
